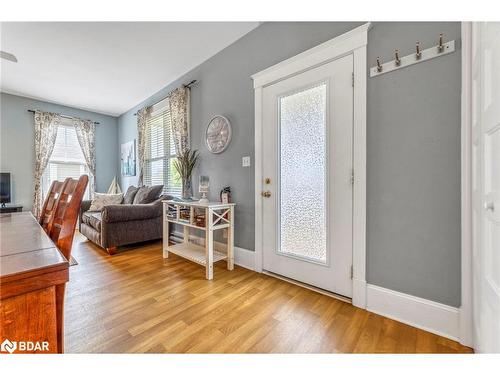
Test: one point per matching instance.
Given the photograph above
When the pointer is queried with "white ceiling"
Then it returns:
(107, 67)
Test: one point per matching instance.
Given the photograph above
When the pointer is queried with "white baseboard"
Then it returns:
(242, 257)
(430, 316)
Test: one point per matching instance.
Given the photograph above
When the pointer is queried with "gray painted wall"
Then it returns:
(413, 165)
(413, 239)
(17, 154)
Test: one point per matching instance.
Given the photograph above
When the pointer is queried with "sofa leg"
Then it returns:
(111, 250)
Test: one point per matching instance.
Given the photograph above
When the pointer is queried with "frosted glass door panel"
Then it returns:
(303, 163)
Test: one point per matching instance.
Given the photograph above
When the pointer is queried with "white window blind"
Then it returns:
(160, 152)
(67, 159)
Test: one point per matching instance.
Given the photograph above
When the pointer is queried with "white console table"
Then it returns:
(207, 217)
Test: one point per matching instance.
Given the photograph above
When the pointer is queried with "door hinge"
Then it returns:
(352, 177)
(352, 272)
(352, 79)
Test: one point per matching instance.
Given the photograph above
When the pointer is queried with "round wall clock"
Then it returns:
(218, 134)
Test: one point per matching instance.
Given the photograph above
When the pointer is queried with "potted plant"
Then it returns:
(184, 165)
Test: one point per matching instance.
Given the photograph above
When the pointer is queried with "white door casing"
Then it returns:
(485, 121)
(465, 311)
(353, 42)
(307, 153)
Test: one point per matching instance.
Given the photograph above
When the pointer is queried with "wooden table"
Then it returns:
(216, 216)
(33, 275)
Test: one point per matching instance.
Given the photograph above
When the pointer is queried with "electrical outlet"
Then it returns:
(245, 161)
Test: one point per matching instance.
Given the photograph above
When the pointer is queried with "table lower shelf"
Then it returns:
(194, 253)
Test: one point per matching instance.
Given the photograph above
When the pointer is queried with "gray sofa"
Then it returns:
(122, 224)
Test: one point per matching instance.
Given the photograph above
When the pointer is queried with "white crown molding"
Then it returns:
(321, 54)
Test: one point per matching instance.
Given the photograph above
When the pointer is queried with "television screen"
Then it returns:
(4, 188)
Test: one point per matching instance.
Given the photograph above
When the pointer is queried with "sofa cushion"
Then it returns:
(100, 200)
(92, 219)
(148, 194)
(129, 212)
(130, 195)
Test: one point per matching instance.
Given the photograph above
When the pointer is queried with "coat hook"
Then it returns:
(418, 55)
(440, 46)
(379, 67)
(398, 60)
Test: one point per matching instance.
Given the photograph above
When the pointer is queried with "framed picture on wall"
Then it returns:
(127, 152)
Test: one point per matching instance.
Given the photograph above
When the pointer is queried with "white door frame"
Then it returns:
(465, 328)
(353, 42)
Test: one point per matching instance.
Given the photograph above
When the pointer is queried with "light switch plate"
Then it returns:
(245, 161)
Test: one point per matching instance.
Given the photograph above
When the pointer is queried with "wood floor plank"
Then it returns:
(367, 342)
(387, 340)
(138, 302)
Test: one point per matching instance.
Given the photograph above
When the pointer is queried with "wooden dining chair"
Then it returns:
(65, 214)
(49, 205)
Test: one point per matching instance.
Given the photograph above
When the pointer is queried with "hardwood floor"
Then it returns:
(135, 301)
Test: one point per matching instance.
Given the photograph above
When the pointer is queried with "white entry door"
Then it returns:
(486, 185)
(307, 142)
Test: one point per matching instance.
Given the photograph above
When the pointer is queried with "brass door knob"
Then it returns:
(266, 194)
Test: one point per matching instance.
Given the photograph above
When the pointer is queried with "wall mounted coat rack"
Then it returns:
(420, 55)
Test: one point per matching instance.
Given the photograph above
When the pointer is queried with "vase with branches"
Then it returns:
(184, 165)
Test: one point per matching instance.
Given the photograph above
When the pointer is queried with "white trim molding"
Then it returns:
(244, 258)
(418, 312)
(258, 180)
(330, 50)
(353, 42)
(359, 188)
(466, 331)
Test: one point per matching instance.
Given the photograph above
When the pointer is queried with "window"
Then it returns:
(67, 159)
(160, 151)
(302, 146)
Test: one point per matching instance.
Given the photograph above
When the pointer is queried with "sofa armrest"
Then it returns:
(84, 206)
(128, 212)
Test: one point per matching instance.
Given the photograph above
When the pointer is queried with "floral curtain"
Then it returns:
(85, 132)
(142, 119)
(179, 111)
(45, 137)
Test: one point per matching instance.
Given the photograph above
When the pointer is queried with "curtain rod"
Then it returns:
(65, 116)
(187, 85)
